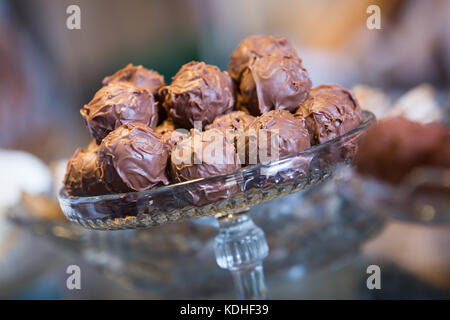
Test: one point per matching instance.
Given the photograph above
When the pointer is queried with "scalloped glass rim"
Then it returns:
(369, 119)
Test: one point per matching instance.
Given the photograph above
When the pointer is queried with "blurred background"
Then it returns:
(47, 72)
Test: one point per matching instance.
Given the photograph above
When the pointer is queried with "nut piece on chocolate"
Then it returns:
(199, 92)
(273, 82)
(116, 104)
(201, 155)
(133, 157)
(257, 47)
(278, 127)
(82, 175)
(92, 146)
(236, 120)
(393, 147)
(329, 112)
(139, 76)
(166, 126)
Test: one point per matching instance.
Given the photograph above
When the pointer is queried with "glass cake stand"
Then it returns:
(240, 245)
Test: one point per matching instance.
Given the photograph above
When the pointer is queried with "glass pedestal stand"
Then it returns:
(240, 247)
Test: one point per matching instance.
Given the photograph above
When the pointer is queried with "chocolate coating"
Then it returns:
(329, 112)
(273, 82)
(257, 47)
(116, 104)
(236, 120)
(143, 78)
(224, 159)
(133, 157)
(393, 147)
(199, 92)
(292, 136)
(139, 76)
(82, 176)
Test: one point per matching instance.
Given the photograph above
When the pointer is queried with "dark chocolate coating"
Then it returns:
(133, 157)
(139, 76)
(393, 147)
(116, 104)
(143, 78)
(257, 47)
(329, 112)
(236, 120)
(292, 136)
(82, 175)
(224, 160)
(198, 92)
(273, 82)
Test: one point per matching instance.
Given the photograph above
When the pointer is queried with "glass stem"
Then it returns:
(241, 247)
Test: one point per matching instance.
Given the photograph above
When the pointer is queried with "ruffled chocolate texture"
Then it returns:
(392, 148)
(208, 157)
(198, 92)
(82, 175)
(142, 78)
(329, 112)
(139, 76)
(236, 120)
(116, 104)
(273, 82)
(257, 47)
(281, 127)
(289, 132)
(133, 157)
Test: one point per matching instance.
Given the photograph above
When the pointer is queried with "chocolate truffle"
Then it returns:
(393, 147)
(290, 135)
(133, 157)
(236, 120)
(82, 175)
(199, 92)
(201, 155)
(329, 112)
(257, 47)
(273, 82)
(139, 76)
(116, 104)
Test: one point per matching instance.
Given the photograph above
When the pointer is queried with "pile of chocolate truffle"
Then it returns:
(134, 117)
